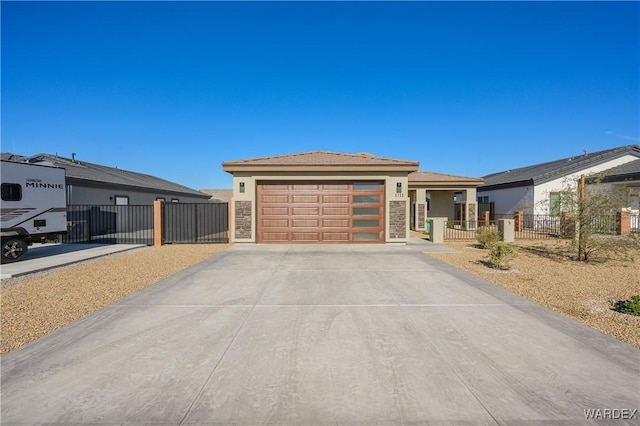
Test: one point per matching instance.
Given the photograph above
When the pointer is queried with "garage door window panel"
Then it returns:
(366, 236)
(366, 211)
(366, 186)
(360, 199)
(368, 223)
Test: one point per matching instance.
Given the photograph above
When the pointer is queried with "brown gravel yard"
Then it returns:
(37, 304)
(543, 273)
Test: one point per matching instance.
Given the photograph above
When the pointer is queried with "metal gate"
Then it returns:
(109, 224)
(196, 222)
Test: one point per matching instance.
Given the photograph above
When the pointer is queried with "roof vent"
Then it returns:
(73, 157)
(585, 151)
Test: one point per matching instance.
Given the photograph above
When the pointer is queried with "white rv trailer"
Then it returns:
(33, 207)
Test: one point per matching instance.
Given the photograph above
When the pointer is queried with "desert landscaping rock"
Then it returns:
(544, 273)
(37, 304)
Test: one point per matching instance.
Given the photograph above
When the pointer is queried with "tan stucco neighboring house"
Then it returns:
(329, 197)
(219, 195)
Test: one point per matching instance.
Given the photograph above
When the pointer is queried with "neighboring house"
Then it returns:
(89, 183)
(627, 175)
(322, 196)
(538, 189)
(219, 195)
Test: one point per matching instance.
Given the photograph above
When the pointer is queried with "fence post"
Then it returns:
(437, 229)
(506, 229)
(230, 221)
(486, 218)
(518, 221)
(623, 222)
(158, 231)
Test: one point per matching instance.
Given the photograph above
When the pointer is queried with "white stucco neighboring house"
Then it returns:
(627, 175)
(534, 189)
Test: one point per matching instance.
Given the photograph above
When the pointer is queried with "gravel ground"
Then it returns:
(544, 273)
(37, 304)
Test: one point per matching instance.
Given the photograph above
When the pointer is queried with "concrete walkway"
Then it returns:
(321, 334)
(41, 257)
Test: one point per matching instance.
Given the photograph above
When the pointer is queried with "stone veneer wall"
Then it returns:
(397, 219)
(472, 212)
(243, 219)
(420, 224)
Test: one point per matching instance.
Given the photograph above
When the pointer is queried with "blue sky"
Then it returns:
(173, 89)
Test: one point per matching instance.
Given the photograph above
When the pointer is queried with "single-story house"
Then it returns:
(627, 175)
(322, 196)
(95, 184)
(537, 189)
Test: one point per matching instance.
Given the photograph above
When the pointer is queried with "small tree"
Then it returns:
(593, 210)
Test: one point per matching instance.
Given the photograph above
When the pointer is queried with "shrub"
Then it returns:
(487, 236)
(450, 224)
(631, 307)
(500, 255)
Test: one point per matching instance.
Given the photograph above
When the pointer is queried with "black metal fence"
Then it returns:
(109, 224)
(604, 225)
(465, 230)
(196, 223)
(539, 227)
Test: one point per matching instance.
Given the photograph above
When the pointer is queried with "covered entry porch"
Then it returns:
(441, 195)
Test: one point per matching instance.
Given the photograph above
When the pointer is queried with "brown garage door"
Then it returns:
(331, 212)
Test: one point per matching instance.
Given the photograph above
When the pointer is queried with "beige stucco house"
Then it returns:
(438, 195)
(333, 197)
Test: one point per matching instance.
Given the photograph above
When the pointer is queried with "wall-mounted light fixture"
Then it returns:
(399, 188)
(242, 187)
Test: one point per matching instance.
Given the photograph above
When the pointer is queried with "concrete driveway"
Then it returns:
(41, 257)
(322, 334)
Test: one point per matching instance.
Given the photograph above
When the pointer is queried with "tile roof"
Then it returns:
(321, 158)
(90, 173)
(433, 177)
(545, 172)
(219, 194)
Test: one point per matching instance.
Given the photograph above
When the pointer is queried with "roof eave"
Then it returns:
(99, 184)
(230, 168)
(623, 177)
(466, 183)
(518, 184)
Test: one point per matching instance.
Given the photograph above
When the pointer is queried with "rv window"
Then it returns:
(11, 192)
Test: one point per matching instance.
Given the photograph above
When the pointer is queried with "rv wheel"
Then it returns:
(13, 249)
